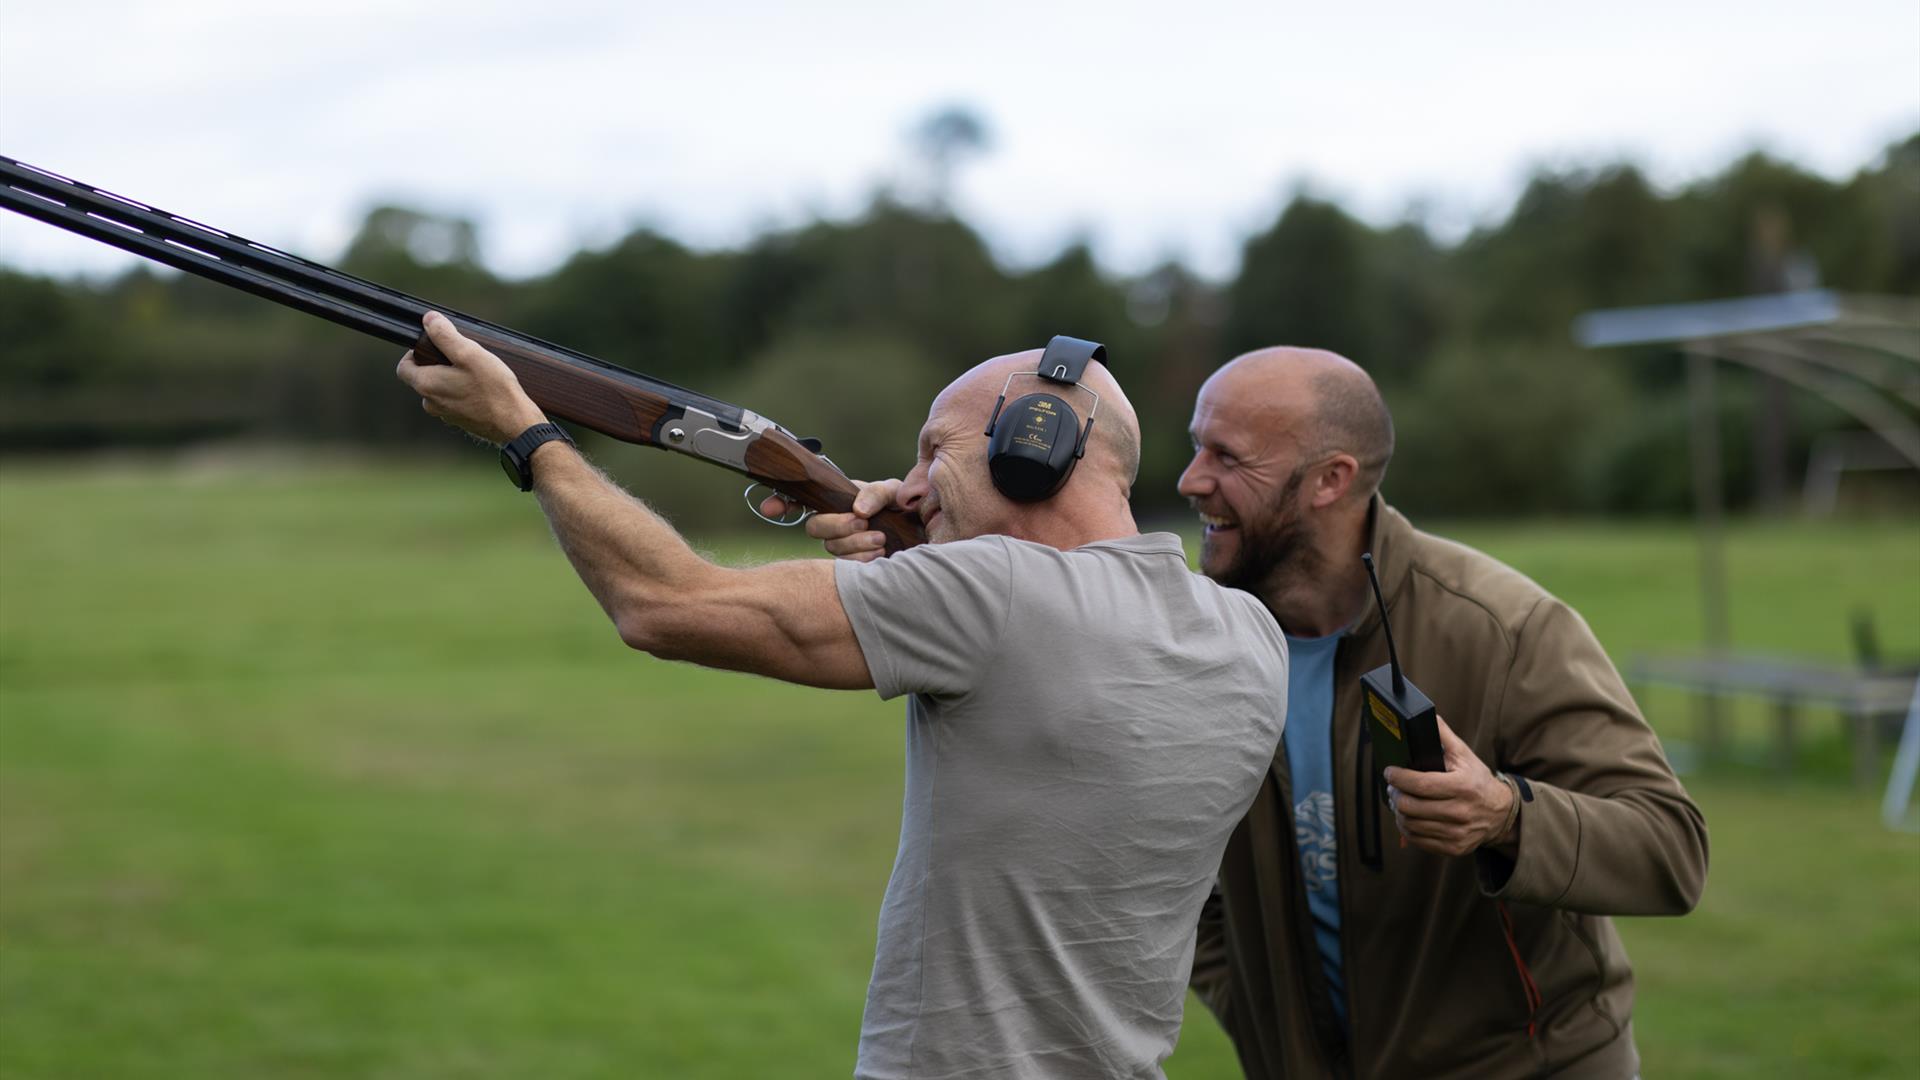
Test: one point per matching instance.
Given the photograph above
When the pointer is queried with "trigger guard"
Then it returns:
(753, 506)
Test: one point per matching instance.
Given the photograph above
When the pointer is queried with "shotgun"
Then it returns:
(566, 383)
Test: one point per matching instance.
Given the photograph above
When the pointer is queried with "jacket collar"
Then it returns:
(1390, 539)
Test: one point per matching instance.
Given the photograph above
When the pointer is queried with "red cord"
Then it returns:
(1534, 1000)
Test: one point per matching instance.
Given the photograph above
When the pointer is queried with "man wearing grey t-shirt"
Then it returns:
(1087, 720)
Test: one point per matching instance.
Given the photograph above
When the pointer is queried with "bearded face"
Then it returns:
(1263, 545)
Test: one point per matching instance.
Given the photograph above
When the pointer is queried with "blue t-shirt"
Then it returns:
(1309, 740)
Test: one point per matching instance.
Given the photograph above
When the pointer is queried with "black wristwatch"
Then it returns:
(517, 456)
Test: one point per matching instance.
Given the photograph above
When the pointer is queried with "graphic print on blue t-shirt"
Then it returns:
(1309, 740)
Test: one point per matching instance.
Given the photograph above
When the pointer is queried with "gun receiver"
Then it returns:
(566, 383)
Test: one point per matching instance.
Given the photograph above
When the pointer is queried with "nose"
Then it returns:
(913, 489)
(1196, 481)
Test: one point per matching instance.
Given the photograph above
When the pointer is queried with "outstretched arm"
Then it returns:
(784, 620)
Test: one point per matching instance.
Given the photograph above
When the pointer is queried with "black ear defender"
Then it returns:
(1034, 443)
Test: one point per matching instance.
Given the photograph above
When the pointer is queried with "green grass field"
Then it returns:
(339, 773)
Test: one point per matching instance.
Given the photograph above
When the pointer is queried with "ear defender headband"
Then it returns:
(1034, 443)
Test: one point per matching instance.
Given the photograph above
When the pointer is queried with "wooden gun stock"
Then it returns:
(781, 463)
(565, 391)
(632, 414)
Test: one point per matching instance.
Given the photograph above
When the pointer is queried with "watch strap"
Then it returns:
(516, 457)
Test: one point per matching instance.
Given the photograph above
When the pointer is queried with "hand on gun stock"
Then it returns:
(847, 536)
(473, 390)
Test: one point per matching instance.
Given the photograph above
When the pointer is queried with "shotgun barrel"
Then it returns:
(567, 383)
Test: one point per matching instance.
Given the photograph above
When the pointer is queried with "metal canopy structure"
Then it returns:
(1854, 351)
(1859, 353)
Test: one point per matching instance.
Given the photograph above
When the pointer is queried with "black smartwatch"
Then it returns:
(516, 457)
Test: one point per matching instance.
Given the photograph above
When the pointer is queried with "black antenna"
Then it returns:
(1393, 657)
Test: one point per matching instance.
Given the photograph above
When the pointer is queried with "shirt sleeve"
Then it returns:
(930, 618)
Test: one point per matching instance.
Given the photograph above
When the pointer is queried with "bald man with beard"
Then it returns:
(1087, 720)
(1470, 939)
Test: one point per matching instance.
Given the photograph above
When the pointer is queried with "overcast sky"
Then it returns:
(1155, 130)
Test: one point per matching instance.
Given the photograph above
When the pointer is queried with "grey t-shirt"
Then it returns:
(1085, 729)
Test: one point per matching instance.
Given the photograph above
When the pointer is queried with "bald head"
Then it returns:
(1329, 401)
(1114, 447)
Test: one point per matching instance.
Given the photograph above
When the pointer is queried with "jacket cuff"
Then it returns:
(1542, 868)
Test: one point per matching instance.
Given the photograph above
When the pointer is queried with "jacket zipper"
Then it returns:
(1368, 788)
(1337, 1039)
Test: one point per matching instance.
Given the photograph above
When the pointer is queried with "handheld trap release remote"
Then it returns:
(1402, 721)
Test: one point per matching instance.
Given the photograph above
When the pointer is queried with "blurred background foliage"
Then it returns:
(843, 329)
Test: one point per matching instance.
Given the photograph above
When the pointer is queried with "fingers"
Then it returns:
(1428, 785)
(1459, 757)
(861, 547)
(1452, 812)
(1412, 807)
(413, 374)
(460, 350)
(847, 536)
(444, 335)
(830, 527)
(1440, 839)
(875, 497)
(427, 380)
(1433, 826)
(844, 535)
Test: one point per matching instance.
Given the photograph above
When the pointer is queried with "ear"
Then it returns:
(1333, 479)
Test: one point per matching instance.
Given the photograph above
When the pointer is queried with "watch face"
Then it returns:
(512, 469)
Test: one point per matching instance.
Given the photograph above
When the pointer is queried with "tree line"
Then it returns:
(844, 329)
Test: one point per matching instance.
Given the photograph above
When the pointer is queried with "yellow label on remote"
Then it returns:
(1386, 716)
